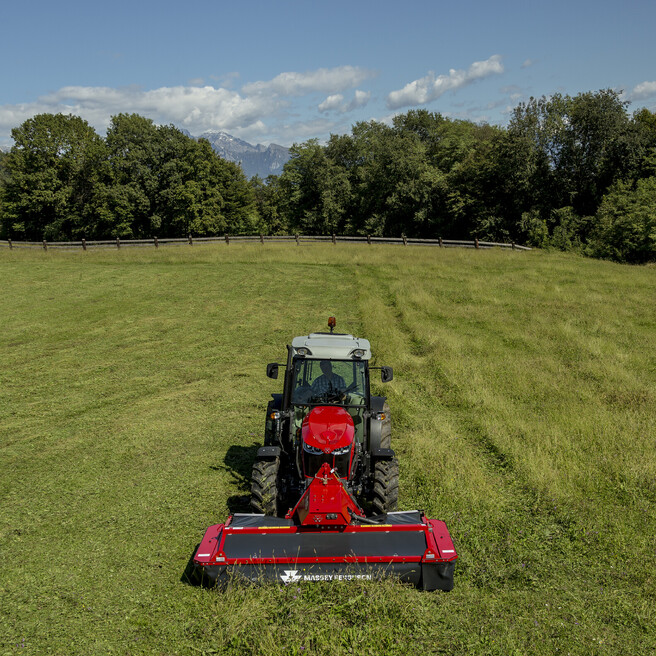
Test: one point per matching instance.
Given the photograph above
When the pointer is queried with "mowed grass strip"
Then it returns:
(515, 369)
(132, 395)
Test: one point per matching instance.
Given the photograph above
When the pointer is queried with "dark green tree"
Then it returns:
(135, 155)
(564, 152)
(4, 179)
(467, 154)
(625, 230)
(597, 148)
(240, 207)
(645, 125)
(314, 190)
(268, 200)
(162, 182)
(392, 188)
(189, 198)
(50, 188)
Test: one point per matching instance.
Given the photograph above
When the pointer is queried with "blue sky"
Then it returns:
(285, 71)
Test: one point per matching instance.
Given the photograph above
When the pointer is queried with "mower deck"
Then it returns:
(260, 548)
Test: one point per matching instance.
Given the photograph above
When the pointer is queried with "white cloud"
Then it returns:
(259, 108)
(360, 99)
(431, 87)
(195, 108)
(332, 103)
(643, 90)
(289, 133)
(335, 103)
(327, 80)
(527, 63)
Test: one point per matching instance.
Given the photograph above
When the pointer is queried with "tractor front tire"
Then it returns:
(264, 487)
(386, 486)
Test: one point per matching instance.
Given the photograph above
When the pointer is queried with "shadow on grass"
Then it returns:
(188, 575)
(239, 503)
(239, 461)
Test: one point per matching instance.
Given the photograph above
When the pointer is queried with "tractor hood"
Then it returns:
(328, 429)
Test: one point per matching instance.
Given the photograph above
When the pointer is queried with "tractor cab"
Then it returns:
(326, 413)
(334, 383)
(327, 381)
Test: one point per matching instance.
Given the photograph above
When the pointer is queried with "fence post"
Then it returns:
(405, 240)
(84, 244)
(369, 240)
(297, 242)
(118, 243)
(512, 245)
(334, 238)
(440, 242)
(476, 242)
(191, 241)
(156, 242)
(227, 239)
(10, 244)
(45, 245)
(261, 239)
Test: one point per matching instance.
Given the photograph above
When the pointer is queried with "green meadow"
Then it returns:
(132, 399)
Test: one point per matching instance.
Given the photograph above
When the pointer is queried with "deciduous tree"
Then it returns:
(50, 186)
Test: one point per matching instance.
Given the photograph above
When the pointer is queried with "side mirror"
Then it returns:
(386, 374)
(272, 370)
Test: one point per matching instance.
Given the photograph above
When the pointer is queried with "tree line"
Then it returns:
(62, 181)
(573, 173)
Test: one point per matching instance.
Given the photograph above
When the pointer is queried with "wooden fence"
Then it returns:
(85, 244)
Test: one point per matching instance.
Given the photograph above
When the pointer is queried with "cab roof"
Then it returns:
(332, 346)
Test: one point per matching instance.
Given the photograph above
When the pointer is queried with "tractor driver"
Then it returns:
(328, 382)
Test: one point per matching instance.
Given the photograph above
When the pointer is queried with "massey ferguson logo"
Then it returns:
(292, 576)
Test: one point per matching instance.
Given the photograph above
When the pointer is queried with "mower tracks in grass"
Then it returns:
(450, 406)
(510, 531)
(450, 398)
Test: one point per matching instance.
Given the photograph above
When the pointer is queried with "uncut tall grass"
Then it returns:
(132, 398)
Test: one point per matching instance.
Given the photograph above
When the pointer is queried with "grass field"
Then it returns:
(132, 397)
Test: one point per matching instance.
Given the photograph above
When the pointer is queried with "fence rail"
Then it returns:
(190, 240)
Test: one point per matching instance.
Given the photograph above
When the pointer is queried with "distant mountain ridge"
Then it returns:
(254, 160)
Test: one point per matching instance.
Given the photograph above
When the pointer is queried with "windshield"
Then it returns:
(329, 381)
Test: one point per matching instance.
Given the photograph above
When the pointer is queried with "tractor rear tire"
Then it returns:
(386, 486)
(264, 487)
(386, 428)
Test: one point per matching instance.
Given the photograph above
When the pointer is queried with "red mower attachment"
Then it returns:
(326, 537)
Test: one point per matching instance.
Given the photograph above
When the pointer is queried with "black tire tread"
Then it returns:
(386, 486)
(264, 487)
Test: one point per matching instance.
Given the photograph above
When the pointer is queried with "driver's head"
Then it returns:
(326, 367)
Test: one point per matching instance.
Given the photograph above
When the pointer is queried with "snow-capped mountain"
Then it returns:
(254, 160)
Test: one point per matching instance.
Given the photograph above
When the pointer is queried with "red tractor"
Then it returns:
(325, 484)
